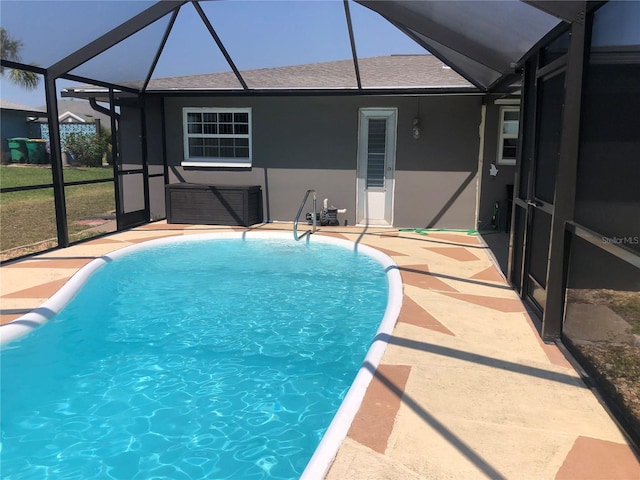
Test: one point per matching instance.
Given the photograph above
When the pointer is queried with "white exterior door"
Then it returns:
(376, 166)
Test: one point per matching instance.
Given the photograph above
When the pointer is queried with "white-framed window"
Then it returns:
(508, 138)
(216, 137)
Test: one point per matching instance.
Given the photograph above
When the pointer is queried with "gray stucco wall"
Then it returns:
(493, 188)
(311, 142)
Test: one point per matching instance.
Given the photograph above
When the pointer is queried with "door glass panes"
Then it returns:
(376, 152)
(549, 132)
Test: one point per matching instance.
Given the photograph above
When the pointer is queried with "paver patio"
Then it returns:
(465, 390)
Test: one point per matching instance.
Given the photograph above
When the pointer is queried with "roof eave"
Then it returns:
(257, 92)
(30, 113)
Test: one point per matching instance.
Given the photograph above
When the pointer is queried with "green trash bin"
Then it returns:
(18, 149)
(37, 149)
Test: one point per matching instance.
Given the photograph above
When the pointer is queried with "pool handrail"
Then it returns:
(295, 222)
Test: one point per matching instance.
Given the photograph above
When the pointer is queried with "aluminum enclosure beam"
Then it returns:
(352, 41)
(56, 162)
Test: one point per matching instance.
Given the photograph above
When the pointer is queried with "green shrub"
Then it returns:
(87, 149)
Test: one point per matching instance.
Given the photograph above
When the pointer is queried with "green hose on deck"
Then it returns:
(426, 231)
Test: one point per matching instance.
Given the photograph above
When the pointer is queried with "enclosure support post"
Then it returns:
(145, 159)
(55, 147)
(115, 159)
(565, 190)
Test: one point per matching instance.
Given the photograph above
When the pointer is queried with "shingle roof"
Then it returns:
(394, 71)
(81, 109)
(9, 105)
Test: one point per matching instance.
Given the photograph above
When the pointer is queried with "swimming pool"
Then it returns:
(133, 411)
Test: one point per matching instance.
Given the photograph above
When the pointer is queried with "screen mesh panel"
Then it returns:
(190, 39)
(481, 40)
(493, 34)
(128, 62)
(306, 33)
(51, 30)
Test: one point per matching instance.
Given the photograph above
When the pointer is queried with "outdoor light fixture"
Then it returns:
(415, 130)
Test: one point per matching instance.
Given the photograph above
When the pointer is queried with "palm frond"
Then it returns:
(23, 78)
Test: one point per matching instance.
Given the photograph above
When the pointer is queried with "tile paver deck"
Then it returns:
(465, 390)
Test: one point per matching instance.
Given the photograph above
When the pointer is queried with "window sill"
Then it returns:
(506, 162)
(243, 165)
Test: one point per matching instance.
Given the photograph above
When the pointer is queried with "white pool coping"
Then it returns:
(327, 449)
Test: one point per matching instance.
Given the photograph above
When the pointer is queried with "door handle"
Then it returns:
(535, 203)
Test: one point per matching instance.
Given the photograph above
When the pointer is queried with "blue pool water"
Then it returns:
(208, 359)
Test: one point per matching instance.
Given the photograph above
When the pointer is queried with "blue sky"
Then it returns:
(257, 34)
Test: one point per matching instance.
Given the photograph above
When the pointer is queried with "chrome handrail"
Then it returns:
(295, 222)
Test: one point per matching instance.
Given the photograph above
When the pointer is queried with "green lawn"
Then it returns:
(21, 175)
(27, 219)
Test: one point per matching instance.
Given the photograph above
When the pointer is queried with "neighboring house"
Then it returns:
(18, 121)
(417, 127)
(80, 111)
(21, 121)
(75, 116)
